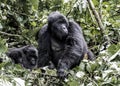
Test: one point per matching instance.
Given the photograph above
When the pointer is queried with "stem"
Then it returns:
(97, 17)
(8, 34)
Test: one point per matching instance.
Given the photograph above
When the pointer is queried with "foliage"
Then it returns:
(21, 19)
(101, 72)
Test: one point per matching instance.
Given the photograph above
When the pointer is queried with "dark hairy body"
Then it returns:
(61, 41)
(26, 56)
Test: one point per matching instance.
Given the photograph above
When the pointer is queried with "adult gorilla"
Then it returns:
(61, 41)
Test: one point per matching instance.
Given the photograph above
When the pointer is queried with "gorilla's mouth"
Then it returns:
(33, 61)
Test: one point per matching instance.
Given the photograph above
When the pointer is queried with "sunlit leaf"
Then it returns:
(33, 24)
(106, 73)
(80, 74)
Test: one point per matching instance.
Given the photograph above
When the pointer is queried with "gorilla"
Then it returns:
(61, 41)
(26, 56)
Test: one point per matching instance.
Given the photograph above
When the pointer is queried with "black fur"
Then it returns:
(26, 56)
(1, 60)
(61, 41)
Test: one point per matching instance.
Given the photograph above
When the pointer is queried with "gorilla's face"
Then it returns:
(58, 25)
(31, 55)
(59, 29)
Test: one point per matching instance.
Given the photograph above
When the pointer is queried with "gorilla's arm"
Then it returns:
(44, 46)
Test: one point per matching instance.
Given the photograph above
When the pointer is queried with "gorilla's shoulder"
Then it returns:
(75, 26)
(41, 32)
(43, 29)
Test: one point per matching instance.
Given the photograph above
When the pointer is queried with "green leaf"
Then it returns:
(35, 4)
(97, 78)
(33, 23)
(114, 56)
(73, 83)
(82, 66)
(1, 26)
(80, 74)
(112, 49)
(3, 47)
(88, 68)
(106, 73)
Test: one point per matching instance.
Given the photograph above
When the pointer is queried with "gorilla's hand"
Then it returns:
(62, 70)
(62, 73)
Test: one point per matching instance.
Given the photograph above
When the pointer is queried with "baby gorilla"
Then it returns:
(26, 56)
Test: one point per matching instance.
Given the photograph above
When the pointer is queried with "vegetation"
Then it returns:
(100, 20)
